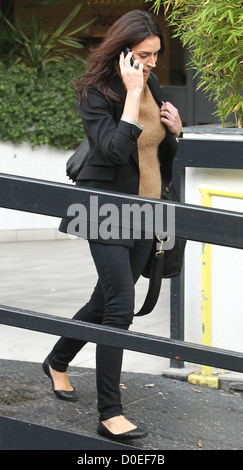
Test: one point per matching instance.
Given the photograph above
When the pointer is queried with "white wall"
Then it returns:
(41, 163)
(227, 269)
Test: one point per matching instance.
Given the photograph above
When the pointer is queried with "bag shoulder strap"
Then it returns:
(155, 282)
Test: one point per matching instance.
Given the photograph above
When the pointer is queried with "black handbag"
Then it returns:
(162, 263)
(77, 161)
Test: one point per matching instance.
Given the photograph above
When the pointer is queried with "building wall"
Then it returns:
(41, 163)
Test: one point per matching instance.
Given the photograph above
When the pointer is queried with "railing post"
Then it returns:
(206, 288)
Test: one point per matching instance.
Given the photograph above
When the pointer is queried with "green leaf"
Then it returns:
(80, 28)
(231, 16)
(66, 22)
(70, 43)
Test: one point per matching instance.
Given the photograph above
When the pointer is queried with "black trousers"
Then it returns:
(111, 304)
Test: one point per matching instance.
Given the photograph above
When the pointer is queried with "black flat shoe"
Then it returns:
(61, 394)
(137, 433)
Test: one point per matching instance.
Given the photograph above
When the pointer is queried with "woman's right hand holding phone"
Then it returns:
(132, 75)
(133, 80)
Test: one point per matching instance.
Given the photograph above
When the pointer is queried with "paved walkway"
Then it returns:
(177, 415)
(57, 278)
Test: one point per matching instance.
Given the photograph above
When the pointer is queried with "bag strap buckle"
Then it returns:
(160, 250)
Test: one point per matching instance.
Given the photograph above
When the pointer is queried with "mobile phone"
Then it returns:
(125, 51)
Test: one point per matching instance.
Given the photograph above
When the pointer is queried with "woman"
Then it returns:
(132, 135)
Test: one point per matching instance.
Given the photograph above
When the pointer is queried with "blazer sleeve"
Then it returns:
(115, 141)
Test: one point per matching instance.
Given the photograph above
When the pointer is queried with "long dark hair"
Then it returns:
(129, 30)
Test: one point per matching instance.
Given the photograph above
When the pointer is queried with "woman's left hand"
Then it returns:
(170, 117)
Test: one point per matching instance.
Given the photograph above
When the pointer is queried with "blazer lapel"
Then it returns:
(118, 87)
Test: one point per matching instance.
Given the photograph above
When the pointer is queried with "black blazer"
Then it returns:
(113, 164)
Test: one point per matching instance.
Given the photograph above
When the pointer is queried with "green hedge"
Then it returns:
(40, 109)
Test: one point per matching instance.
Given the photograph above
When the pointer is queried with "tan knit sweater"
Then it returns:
(151, 136)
